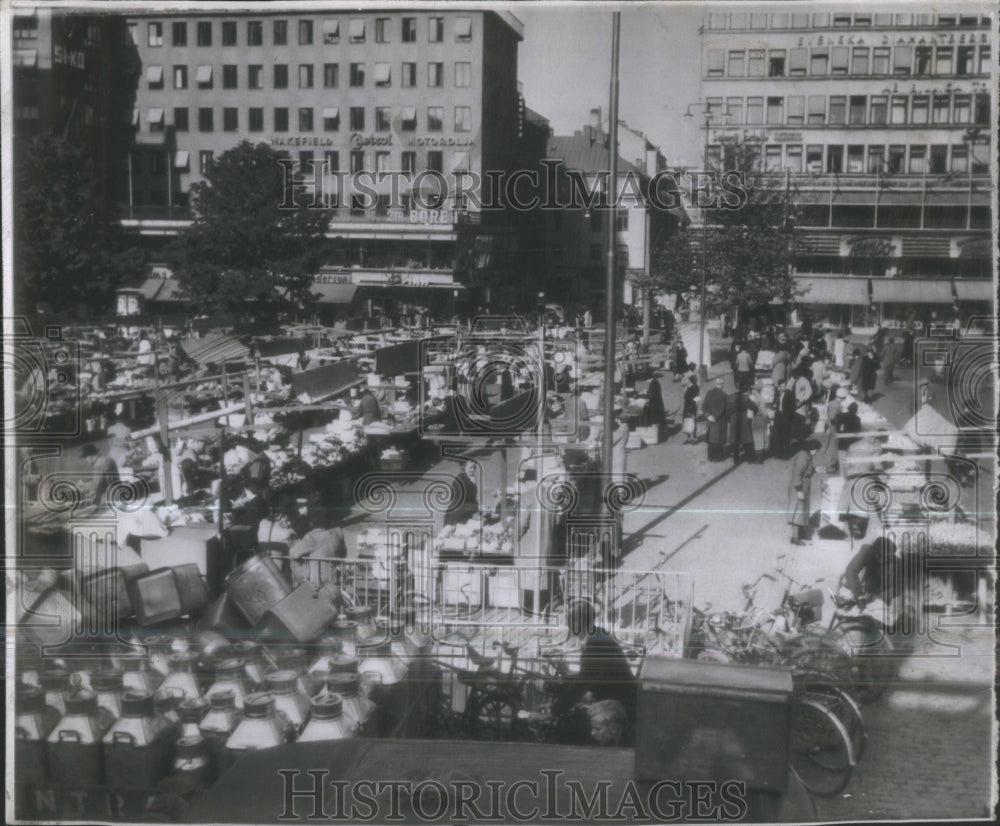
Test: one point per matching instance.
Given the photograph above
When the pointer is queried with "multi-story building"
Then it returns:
(880, 124)
(414, 92)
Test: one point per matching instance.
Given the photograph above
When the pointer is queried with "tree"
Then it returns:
(69, 246)
(750, 242)
(252, 249)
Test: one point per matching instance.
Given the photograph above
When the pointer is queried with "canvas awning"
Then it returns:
(334, 293)
(463, 27)
(154, 74)
(331, 26)
(975, 290)
(160, 289)
(154, 116)
(833, 290)
(911, 291)
(331, 112)
(181, 159)
(383, 72)
(214, 350)
(357, 29)
(204, 74)
(26, 57)
(408, 113)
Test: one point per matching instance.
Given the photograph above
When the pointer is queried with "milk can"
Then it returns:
(230, 675)
(347, 632)
(365, 619)
(74, 745)
(108, 685)
(358, 709)
(180, 682)
(376, 658)
(192, 763)
(256, 587)
(138, 749)
(29, 667)
(322, 666)
(191, 712)
(155, 597)
(256, 663)
(293, 659)
(288, 699)
(260, 728)
(158, 650)
(32, 727)
(218, 724)
(326, 721)
(54, 681)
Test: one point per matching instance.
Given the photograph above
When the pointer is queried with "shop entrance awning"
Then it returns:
(334, 293)
(975, 290)
(911, 291)
(832, 290)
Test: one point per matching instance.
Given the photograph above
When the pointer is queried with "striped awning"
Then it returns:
(214, 350)
(911, 291)
(832, 290)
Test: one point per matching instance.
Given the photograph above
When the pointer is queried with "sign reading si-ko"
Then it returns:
(69, 57)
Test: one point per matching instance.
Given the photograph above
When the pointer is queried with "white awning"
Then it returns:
(463, 27)
(204, 74)
(26, 57)
(154, 116)
(331, 112)
(331, 26)
(154, 74)
(408, 113)
(911, 291)
(974, 290)
(181, 159)
(357, 29)
(383, 72)
(832, 290)
(135, 116)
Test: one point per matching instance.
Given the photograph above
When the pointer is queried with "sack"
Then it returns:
(688, 425)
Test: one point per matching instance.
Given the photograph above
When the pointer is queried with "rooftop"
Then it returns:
(587, 152)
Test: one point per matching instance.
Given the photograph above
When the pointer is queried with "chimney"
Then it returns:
(595, 119)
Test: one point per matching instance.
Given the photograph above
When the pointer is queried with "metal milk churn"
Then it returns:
(260, 728)
(139, 747)
(192, 763)
(191, 712)
(218, 724)
(326, 721)
(32, 727)
(55, 683)
(288, 699)
(358, 709)
(74, 745)
(180, 683)
(108, 685)
(230, 675)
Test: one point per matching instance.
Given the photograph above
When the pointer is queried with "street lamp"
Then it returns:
(702, 367)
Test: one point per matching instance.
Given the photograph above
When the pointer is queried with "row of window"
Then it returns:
(854, 60)
(895, 159)
(839, 20)
(306, 72)
(357, 31)
(306, 120)
(851, 110)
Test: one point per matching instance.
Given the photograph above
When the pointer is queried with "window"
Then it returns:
(879, 110)
(897, 159)
(859, 60)
(229, 76)
(435, 30)
(717, 20)
(305, 119)
(880, 60)
(963, 109)
(716, 60)
(357, 30)
(776, 63)
(331, 119)
(939, 159)
(305, 32)
(179, 34)
(814, 158)
(409, 29)
(738, 20)
(332, 159)
(838, 110)
(281, 119)
(230, 119)
(408, 119)
(734, 111)
(155, 34)
(435, 118)
(204, 77)
(918, 112)
(180, 77)
(758, 21)
(796, 115)
(883, 19)
(154, 117)
(984, 60)
(862, 20)
(817, 110)
(859, 105)
(779, 21)
(382, 162)
(737, 63)
(330, 75)
(797, 62)
(408, 77)
(435, 74)
(331, 31)
(357, 118)
(381, 29)
(306, 162)
(131, 38)
(409, 162)
(383, 74)
(775, 111)
(463, 118)
(944, 64)
(959, 158)
(435, 161)
(755, 111)
(206, 119)
(923, 64)
(800, 21)
(841, 20)
(463, 75)
(966, 60)
(755, 63)
(279, 32)
(255, 33)
(819, 62)
(205, 33)
(875, 154)
(154, 76)
(941, 109)
(181, 119)
(839, 56)
(982, 108)
(714, 109)
(902, 60)
(793, 158)
(772, 157)
(855, 158)
(835, 159)
(205, 157)
(357, 74)
(305, 76)
(255, 119)
(228, 32)
(383, 118)
(357, 162)
(899, 107)
(280, 75)
(918, 160)
(463, 29)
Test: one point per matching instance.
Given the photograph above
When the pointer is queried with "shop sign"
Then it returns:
(300, 140)
(870, 247)
(69, 57)
(970, 248)
(359, 141)
(333, 278)
(385, 279)
(451, 140)
(786, 137)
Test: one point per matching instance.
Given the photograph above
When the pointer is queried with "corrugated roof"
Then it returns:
(214, 349)
(583, 155)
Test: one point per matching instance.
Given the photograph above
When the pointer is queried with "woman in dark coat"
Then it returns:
(854, 371)
(689, 412)
(655, 412)
(869, 373)
(799, 488)
(741, 427)
(716, 410)
(680, 360)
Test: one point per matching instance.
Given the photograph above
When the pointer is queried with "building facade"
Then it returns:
(881, 127)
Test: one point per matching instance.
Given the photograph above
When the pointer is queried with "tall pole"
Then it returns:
(702, 367)
(611, 234)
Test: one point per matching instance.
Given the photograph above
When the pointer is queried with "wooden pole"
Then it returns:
(222, 477)
(246, 397)
(162, 415)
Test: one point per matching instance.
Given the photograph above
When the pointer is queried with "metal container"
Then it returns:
(300, 616)
(108, 685)
(192, 763)
(376, 658)
(138, 676)
(257, 662)
(192, 587)
(33, 724)
(358, 709)
(256, 587)
(74, 745)
(191, 712)
(230, 675)
(347, 632)
(155, 597)
(365, 619)
(288, 699)
(158, 648)
(217, 725)
(29, 665)
(52, 618)
(260, 728)
(326, 721)
(107, 590)
(180, 683)
(138, 749)
(54, 681)
(223, 616)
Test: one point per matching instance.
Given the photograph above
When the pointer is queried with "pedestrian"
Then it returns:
(656, 415)
(926, 394)
(820, 369)
(716, 410)
(368, 408)
(855, 370)
(890, 358)
(463, 503)
(689, 412)
(588, 319)
(840, 352)
(105, 473)
(741, 427)
(869, 373)
(744, 368)
(848, 422)
(779, 365)
(784, 413)
(680, 365)
(799, 488)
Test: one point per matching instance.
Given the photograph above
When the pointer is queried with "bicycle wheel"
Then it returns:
(492, 718)
(820, 748)
(843, 705)
(872, 665)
